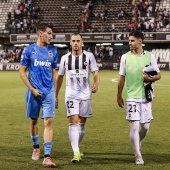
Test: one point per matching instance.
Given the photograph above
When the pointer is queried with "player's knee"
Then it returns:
(33, 122)
(145, 126)
(74, 119)
(82, 120)
(48, 122)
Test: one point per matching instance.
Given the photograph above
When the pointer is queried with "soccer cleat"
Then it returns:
(139, 162)
(48, 162)
(77, 157)
(36, 154)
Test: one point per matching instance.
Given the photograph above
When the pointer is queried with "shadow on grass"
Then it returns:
(106, 158)
(23, 155)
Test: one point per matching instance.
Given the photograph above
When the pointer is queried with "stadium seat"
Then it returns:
(167, 57)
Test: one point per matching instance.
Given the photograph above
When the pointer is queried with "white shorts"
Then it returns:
(82, 108)
(139, 111)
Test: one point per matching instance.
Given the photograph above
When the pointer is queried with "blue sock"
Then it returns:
(35, 141)
(47, 149)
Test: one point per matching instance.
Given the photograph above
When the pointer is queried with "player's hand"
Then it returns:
(36, 93)
(56, 103)
(94, 88)
(146, 77)
(120, 101)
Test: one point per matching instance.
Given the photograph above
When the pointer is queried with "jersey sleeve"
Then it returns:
(54, 64)
(25, 57)
(122, 69)
(62, 66)
(93, 64)
(154, 63)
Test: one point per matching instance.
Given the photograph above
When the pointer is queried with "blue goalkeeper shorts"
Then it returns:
(34, 104)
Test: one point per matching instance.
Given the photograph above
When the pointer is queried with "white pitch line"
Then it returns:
(115, 80)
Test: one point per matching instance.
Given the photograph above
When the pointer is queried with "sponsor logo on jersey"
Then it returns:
(85, 63)
(50, 54)
(41, 63)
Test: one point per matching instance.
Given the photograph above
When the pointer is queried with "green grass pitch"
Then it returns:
(106, 144)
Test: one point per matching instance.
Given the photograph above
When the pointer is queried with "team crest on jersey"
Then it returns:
(85, 63)
(129, 115)
(69, 111)
(50, 54)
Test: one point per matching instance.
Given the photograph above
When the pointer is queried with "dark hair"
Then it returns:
(137, 34)
(43, 27)
(76, 33)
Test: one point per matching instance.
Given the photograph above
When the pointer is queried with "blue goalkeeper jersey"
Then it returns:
(40, 62)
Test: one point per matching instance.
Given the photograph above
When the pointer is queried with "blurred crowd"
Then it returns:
(155, 19)
(108, 54)
(7, 56)
(144, 16)
(25, 18)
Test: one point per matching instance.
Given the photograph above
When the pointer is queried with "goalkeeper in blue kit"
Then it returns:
(41, 61)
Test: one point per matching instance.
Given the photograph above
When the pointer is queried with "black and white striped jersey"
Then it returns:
(77, 70)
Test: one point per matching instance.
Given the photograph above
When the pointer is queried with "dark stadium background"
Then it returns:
(93, 19)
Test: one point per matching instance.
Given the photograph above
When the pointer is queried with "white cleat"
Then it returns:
(139, 162)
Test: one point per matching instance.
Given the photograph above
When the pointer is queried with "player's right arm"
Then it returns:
(23, 75)
(121, 81)
(24, 63)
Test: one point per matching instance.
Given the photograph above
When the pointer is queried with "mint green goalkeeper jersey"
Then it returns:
(134, 81)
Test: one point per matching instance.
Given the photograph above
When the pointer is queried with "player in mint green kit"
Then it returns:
(41, 61)
(138, 102)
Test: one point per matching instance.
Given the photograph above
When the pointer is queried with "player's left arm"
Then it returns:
(96, 79)
(147, 78)
(95, 71)
(154, 64)
(54, 76)
(54, 66)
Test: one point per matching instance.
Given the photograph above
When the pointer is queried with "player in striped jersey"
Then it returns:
(77, 65)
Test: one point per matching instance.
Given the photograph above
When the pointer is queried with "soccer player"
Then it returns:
(138, 107)
(77, 66)
(41, 60)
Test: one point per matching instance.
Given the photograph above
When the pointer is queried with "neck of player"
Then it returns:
(41, 44)
(77, 53)
(138, 51)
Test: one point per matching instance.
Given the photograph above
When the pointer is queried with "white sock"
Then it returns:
(74, 136)
(134, 137)
(143, 131)
(82, 130)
